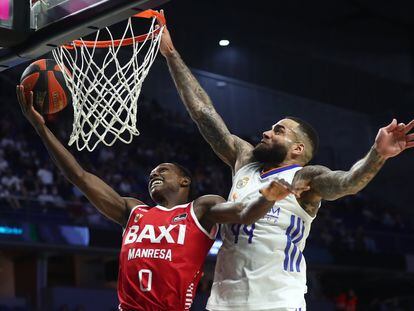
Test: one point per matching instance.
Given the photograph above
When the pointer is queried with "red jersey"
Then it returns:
(162, 255)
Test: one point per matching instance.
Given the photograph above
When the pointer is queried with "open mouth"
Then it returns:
(155, 182)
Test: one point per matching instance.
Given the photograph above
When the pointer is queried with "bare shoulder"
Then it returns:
(311, 176)
(130, 203)
(208, 200)
(309, 200)
(311, 171)
(203, 204)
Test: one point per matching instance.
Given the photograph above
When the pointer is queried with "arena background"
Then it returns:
(344, 66)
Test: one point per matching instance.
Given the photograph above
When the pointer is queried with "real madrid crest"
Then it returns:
(242, 182)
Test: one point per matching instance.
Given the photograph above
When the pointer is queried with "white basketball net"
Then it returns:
(105, 87)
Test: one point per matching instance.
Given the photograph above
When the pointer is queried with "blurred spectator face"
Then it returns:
(45, 175)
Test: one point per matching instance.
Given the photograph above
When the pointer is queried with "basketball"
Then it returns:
(45, 79)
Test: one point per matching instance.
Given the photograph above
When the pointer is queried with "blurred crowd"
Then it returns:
(361, 225)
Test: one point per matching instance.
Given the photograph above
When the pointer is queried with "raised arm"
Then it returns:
(331, 185)
(231, 149)
(214, 209)
(101, 195)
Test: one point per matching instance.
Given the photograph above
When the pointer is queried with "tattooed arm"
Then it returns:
(331, 185)
(231, 149)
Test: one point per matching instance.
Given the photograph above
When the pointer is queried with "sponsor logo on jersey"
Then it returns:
(138, 217)
(155, 234)
(165, 254)
(242, 182)
(273, 215)
(179, 217)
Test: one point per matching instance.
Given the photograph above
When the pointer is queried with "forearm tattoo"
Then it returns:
(200, 107)
(331, 185)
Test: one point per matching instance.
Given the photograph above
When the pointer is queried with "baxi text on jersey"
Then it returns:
(173, 234)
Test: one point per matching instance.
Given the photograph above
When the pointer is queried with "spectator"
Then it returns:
(57, 200)
(45, 175)
(30, 184)
(4, 164)
(352, 301)
(11, 182)
(45, 197)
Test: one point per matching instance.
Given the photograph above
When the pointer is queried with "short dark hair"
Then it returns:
(310, 131)
(185, 172)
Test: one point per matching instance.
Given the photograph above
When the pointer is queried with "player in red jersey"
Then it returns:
(163, 247)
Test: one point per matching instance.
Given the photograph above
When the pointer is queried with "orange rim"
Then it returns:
(121, 42)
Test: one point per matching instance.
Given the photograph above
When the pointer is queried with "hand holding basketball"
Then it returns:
(394, 138)
(26, 104)
(166, 45)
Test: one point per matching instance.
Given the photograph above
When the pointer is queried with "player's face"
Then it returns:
(276, 142)
(163, 178)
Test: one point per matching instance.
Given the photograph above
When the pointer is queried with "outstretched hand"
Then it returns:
(394, 138)
(166, 45)
(26, 104)
(278, 189)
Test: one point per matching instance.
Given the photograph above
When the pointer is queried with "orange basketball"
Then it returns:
(45, 79)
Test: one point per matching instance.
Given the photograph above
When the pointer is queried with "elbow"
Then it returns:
(241, 215)
(77, 178)
(353, 191)
(245, 219)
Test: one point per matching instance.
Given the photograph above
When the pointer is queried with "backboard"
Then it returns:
(31, 28)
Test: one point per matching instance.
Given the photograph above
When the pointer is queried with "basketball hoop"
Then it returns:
(105, 89)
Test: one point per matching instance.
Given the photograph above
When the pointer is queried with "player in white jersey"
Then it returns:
(261, 266)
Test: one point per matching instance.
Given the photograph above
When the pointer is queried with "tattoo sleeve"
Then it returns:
(202, 111)
(331, 185)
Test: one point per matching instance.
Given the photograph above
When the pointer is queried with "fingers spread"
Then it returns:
(400, 127)
(392, 125)
(409, 126)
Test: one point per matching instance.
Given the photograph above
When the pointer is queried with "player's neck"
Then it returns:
(171, 202)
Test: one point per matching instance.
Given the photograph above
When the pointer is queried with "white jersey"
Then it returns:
(261, 266)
